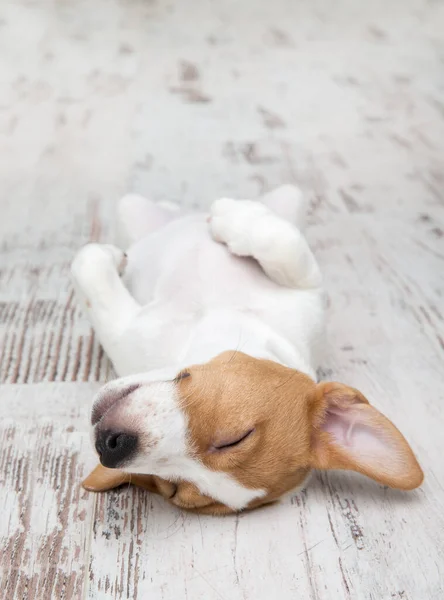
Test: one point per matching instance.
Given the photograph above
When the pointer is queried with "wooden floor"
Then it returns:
(190, 101)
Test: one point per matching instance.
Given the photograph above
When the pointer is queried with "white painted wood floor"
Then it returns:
(190, 101)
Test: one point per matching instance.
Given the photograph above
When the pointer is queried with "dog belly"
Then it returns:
(181, 263)
(186, 278)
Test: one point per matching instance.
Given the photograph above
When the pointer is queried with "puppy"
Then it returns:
(214, 323)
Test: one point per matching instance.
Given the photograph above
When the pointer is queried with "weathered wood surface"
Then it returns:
(46, 517)
(190, 104)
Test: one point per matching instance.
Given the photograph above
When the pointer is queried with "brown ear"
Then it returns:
(188, 497)
(183, 494)
(349, 433)
(102, 479)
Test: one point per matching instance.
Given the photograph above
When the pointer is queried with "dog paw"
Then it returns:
(231, 222)
(94, 261)
(239, 209)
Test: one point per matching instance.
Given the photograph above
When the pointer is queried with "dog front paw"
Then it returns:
(95, 261)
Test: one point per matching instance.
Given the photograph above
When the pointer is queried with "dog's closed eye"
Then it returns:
(182, 375)
(231, 443)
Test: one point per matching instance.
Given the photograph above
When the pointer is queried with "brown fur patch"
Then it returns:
(234, 393)
(296, 426)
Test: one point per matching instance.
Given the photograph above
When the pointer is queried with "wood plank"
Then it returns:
(43, 335)
(47, 517)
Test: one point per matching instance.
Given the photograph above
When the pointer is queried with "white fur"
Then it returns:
(185, 299)
(165, 449)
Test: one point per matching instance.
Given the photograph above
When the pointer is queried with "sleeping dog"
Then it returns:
(214, 323)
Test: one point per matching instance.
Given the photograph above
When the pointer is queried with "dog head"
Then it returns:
(238, 432)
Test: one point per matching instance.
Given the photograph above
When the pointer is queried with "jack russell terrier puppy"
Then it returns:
(213, 323)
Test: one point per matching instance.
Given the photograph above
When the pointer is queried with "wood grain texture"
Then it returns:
(46, 339)
(188, 105)
(46, 516)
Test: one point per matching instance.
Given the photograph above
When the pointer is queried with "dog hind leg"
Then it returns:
(249, 228)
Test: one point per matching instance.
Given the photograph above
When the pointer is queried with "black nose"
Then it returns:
(115, 447)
